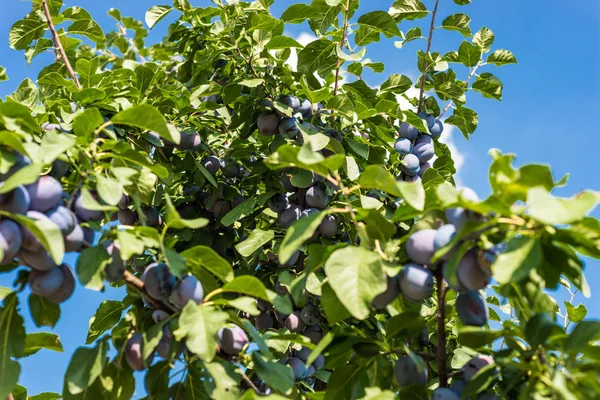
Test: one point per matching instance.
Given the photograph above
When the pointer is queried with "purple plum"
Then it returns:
(420, 246)
(11, 240)
(17, 201)
(44, 194)
(416, 282)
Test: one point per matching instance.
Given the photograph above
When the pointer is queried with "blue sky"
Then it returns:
(548, 114)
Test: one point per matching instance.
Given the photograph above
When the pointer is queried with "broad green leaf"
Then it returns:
(298, 13)
(144, 116)
(523, 255)
(488, 85)
(12, 343)
(377, 177)
(85, 367)
(56, 79)
(155, 14)
(484, 38)
(547, 209)
(3, 76)
(276, 375)
(88, 28)
(109, 189)
(43, 311)
(176, 262)
(199, 326)
(204, 257)
(538, 328)
(469, 54)
(86, 123)
(408, 9)
(225, 380)
(255, 241)
(107, 315)
(475, 337)
(397, 84)
(283, 42)
(25, 176)
(91, 203)
(356, 276)
(458, 22)
(9, 377)
(501, 57)
(90, 267)
(87, 72)
(174, 220)
(413, 193)
(25, 31)
(318, 56)
(35, 342)
(583, 333)
(374, 23)
(248, 285)
(464, 119)
(297, 234)
(575, 314)
(240, 211)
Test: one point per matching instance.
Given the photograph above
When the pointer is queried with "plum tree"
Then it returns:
(420, 246)
(212, 164)
(472, 308)
(11, 240)
(188, 289)
(416, 282)
(17, 201)
(158, 281)
(232, 339)
(407, 372)
(44, 194)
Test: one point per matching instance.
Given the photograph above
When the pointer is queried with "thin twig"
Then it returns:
(431, 28)
(250, 383)
(441, 329)
(58, 44)
(464, 85)
(342, 43)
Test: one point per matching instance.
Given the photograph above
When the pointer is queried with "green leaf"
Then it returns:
(24, 176)
(282, 42)
(107, 315)
(408, 9)
(318, 56)
(85, 367)
(88, 28)
(25, 31)
(12, 343)
(484, 38)
(374, 23)
(199, 326)
(547, 209)
(575, 314)
(35, 342)
(45, 396)
(475, 337)
(204, 257)
(225, 380)
(298, 233)
(377, 177)
(356, 276)
(175, 221)
(464, 119)
(458, 22)
(413, 193)
(9, 377)
(276, 375)
(248, 285)
(396, 84)
(489, 86)
(3, 76)
(90, 267)
(501, 57)
(469, 54)
(109, 189)
(86, 123)
(56, 79)
(176, 262)
(240, 211)
(255, 241)
(144, 116)
(298, 13)
(155, 14)
(583, 333)
(538, 328)
(87, 72)
(43, 311)
(47, 232)
(523, 255)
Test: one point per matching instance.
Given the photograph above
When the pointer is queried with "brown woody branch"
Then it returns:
(431, 28)
(441, 329)
(59, 45)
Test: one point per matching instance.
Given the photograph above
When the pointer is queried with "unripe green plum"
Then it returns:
(158, 281)
(11, 240)
(310, 315)
(444, 394)
(232, 339)
(188, 289)
(416, 282)
(470, 274)
(410, 165)
(420, 246)
(67, 288)
(298, 368)
(85, 214)
(264, 321)
(17, 201)
(45, 283)
(64, 218)
(116, 267)
(268, 123)
(472, 309)
(74, 240)
(475, 365)
(44, 194)
(407, 373)
(294, 323)
(392, 291)
(133, 353)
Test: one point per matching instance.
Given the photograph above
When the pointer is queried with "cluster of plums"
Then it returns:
(274, 121)
(306, 321)
(43, 203)
(407, 373)
(417, 148)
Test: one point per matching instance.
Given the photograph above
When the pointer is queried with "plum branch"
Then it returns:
(59, 45)
(431, 28)
(342, 42)
(464, 86)
(441, 328)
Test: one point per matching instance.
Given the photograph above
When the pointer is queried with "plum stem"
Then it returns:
(59, 45)
(441, 329)
(431, 29)
(342, 43)
(464, 85)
